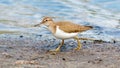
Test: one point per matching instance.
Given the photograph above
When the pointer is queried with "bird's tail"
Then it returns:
(88, 27)
(85, 28)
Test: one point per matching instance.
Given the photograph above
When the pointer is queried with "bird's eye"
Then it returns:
(46, 20)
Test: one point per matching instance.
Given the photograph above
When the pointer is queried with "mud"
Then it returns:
(26, 52)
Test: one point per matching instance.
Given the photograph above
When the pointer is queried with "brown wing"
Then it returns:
(71, 28)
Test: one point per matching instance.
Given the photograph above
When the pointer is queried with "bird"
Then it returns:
(64, 30)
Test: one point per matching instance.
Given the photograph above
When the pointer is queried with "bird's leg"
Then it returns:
(79, 44)
(58, 48)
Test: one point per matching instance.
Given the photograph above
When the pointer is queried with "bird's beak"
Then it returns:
(37, 25)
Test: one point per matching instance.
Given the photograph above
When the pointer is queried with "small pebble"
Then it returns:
(85, 42)
(39, 35)
(63, 59)
(21, 36)
(114, 41)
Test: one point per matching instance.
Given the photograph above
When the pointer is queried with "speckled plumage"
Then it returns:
(72, 28)
(65, 26)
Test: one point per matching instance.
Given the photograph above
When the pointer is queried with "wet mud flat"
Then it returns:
(32, 52)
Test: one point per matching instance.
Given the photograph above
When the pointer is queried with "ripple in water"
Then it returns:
(18, 16)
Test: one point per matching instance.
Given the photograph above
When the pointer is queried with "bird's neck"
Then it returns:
(52, 27)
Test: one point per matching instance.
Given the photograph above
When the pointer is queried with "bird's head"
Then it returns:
(46, 21)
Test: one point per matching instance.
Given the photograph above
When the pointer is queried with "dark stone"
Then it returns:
(21, 36)
(63, 59)
(85, 42)
(114, 41)
(40, 35)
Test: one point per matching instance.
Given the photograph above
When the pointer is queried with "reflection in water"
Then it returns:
(18, 16)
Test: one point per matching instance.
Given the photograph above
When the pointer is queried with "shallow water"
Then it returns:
(18, 16)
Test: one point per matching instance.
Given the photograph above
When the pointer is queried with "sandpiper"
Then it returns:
(64, 30)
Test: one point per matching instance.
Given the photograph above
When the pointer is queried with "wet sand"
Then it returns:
(26, 52)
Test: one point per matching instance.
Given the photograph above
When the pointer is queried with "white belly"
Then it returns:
(63, 35)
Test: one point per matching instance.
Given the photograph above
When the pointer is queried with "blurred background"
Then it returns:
(18, 16)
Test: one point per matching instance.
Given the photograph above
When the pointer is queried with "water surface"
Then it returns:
(18, 16)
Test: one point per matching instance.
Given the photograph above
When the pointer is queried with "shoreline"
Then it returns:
(25, 52)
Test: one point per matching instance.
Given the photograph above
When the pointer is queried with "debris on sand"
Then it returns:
(19, 62)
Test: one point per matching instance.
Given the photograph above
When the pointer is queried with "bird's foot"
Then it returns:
(54, 51)
(77, 49)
